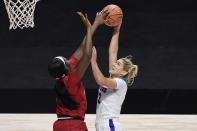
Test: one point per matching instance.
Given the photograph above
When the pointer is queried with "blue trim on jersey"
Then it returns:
(111, 125)
(126, 82)
(103, 89)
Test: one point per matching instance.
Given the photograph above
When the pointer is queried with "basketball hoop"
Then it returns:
(20, 13)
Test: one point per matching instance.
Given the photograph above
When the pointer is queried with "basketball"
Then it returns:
(115, 15)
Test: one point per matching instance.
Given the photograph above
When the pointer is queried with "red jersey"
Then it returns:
(76, 90)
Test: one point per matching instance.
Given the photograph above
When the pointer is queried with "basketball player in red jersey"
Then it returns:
(71, 99)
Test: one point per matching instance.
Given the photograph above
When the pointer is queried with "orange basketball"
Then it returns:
(115, 15)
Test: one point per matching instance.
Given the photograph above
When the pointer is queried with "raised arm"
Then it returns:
(113, 48)
(87, 49)
(79, 52)
(98, 75)
(98, 21)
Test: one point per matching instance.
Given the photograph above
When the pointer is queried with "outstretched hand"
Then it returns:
(100, 16)
(85, 19)
(94, 54)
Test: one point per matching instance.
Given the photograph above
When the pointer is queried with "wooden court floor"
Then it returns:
(44, 122)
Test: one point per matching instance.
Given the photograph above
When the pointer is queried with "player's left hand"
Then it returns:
(94, 54)
(85, 19)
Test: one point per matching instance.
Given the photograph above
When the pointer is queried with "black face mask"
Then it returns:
(64, 97)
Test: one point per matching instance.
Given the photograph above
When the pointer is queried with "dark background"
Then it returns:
(159, 34)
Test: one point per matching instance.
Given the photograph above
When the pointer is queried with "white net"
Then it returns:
(20, 13)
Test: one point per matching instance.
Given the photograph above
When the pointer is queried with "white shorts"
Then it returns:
(108, 125)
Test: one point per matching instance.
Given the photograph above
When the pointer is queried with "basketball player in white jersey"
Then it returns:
(112, 91)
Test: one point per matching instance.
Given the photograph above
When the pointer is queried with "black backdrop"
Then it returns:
(161, 36)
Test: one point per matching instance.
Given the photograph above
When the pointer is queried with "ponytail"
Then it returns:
(131, 70)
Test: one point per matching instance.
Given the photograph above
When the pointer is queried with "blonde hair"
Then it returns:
(130, 68)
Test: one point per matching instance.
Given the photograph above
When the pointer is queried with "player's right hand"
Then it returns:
(100, 16)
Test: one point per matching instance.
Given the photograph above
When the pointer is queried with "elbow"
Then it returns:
(100, 81)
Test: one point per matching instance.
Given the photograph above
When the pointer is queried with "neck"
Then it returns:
(113, 76)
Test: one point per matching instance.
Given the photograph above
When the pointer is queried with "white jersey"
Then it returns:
(110, 100)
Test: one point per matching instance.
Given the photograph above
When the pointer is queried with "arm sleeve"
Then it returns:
(121, 84)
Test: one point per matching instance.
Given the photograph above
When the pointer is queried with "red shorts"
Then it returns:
(69, 125)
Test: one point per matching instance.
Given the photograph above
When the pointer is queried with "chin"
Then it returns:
(110, 72)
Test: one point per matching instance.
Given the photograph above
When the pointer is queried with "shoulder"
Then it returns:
(73, 79)
(74, 61)
(121, 83)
